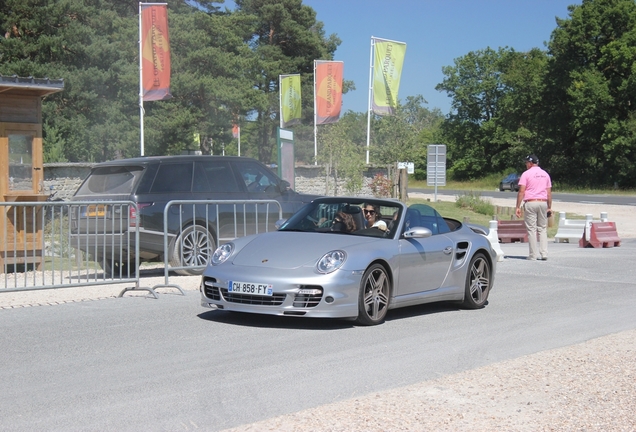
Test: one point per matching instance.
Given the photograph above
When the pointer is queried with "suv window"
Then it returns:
(214, 176)
(257, 178)
(111, 180)
(173, 178)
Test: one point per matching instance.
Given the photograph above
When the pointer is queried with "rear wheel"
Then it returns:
(478, 282)
(375, 292)
(193, 248)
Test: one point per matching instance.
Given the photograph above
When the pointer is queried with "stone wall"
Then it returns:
(63, 179)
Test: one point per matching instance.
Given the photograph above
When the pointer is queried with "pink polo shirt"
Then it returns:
(537, 182)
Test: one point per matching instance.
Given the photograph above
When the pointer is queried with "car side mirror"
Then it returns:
(418, 232)
(284, 186)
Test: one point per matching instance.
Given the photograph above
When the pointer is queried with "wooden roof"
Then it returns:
(15, 85)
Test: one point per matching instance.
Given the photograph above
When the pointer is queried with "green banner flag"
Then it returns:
(387, 69)
(290, 102)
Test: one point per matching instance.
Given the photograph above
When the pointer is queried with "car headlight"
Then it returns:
(331, 261)
(222, 253)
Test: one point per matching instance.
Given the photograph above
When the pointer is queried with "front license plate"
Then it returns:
(250, 288)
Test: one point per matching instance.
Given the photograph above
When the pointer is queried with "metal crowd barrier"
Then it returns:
(46, 245)
(222, 220)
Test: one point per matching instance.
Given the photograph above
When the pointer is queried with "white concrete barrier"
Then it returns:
(493, 236)
(571, 230)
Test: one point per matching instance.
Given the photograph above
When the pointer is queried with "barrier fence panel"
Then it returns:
(46, 245)
(194, 229)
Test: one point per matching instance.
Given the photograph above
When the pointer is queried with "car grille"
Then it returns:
(308, 300)
(304, 300)
(273, 300)
(211, 291)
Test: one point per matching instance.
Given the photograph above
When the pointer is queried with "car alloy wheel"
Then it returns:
(478, 282)
(375, 291)
(193, 248)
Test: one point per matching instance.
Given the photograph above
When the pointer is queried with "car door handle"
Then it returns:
(448, 250)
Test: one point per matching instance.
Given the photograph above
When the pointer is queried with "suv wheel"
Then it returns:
(193, 248)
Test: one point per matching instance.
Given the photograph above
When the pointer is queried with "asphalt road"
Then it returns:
(557, 197)
(136, 363)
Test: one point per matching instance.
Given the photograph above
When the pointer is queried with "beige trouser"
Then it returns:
(536, 218)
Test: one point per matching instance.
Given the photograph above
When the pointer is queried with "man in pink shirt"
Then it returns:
(535, 193)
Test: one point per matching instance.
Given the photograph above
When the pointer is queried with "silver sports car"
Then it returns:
(352, 258)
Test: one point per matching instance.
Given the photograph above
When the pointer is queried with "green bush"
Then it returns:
(474, 202)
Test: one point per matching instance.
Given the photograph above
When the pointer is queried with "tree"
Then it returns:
(341, 150)
(591, 94)
(497, 100)
(286, 39)
(225, 65)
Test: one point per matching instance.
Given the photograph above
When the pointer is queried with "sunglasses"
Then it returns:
(369, 211)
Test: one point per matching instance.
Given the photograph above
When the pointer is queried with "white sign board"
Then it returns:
(436, 165)
(408, 166)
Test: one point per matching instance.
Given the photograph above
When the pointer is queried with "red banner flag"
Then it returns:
(155, 52)
(235, 130)
(328, 92)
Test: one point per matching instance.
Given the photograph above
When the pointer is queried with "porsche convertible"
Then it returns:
(330, 261)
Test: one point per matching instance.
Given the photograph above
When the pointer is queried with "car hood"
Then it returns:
(289, 250)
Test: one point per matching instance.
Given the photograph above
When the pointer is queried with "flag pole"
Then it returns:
(239, 140)
(315, 120)
(370, 96)
(141, 88)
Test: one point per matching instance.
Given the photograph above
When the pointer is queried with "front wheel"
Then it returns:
(478, 282)
(193, 248)
(375, 292)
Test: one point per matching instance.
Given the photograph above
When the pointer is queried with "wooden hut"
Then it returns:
(21, 170)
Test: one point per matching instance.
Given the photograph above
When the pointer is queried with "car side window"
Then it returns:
(257, 178)
(214, 176)
(173, 178)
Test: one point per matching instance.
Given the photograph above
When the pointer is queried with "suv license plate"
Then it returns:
(250, 288)
(96, 210)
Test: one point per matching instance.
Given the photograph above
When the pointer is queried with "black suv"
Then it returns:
(151, 182)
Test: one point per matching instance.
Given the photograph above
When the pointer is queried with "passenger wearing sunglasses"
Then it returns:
(373, 217)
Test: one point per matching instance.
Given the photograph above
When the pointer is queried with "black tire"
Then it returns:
(193, 247)
(374, 296)
(113, 267)
(501, 188)
(478, 282)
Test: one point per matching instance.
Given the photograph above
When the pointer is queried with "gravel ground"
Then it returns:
(584, 387)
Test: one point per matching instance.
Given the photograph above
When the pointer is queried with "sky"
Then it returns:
(436, 33)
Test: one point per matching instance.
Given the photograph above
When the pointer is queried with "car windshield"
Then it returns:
(372, 218)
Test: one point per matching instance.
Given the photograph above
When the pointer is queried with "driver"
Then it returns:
(373, 217)
(343, 222)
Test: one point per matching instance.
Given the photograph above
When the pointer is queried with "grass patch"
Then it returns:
(474, 202)
(451, 210)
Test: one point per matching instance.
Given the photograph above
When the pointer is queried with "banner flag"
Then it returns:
(235, 130)
(328, 91)
(155, 52)
(290, 102)
(387, 70)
